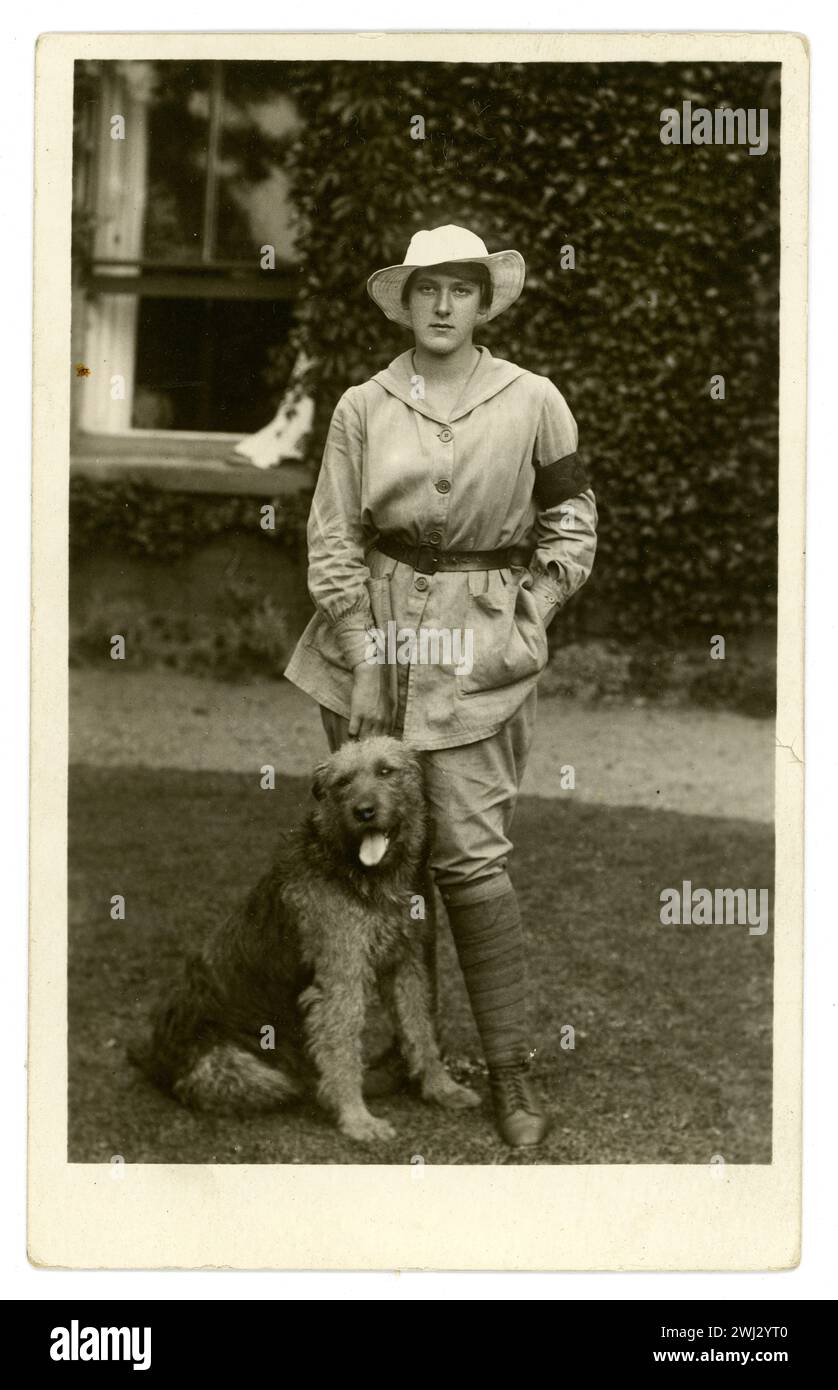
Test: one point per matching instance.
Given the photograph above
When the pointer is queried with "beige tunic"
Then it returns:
(501, 471)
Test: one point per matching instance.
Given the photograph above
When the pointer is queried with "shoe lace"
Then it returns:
(510, 1086)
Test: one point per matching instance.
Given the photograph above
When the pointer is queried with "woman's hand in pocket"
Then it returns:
(370, 711)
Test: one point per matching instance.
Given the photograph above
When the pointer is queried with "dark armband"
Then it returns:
(555, 482)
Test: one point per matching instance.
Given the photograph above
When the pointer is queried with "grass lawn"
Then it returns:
(673, 1025)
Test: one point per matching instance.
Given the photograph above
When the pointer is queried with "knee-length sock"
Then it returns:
(490, 949)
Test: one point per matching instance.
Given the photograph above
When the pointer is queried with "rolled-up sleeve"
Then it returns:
(566, 520)
(337, 572)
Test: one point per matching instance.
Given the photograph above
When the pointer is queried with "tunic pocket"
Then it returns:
(510, 640)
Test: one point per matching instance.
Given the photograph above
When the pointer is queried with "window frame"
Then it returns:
(107, 287)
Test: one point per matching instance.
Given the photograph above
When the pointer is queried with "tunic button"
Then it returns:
(443, 485)
(434, 537)
(446, 436)
(420, 582)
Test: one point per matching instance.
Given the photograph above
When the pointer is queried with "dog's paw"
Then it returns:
(450, 1095)
(366, 1129)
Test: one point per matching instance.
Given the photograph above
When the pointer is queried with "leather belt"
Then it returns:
(429, 559)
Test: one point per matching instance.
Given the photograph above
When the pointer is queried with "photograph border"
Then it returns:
(712, 1216)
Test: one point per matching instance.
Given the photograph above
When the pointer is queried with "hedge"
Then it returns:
(160, 525)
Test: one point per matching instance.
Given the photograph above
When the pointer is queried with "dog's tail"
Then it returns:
(228, 1079)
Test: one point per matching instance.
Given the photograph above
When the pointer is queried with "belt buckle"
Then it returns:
(427, 559)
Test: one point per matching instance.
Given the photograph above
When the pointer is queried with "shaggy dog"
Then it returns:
(273, 1005)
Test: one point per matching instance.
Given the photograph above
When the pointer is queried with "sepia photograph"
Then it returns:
(423, 527)
(419, 542)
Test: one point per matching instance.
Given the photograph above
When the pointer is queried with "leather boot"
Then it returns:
(519, 1115)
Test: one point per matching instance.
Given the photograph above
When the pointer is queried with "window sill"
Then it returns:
(181, 463)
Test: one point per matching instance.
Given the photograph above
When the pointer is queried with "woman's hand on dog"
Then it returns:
(370, 710)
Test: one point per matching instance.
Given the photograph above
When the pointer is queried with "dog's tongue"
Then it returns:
(373, 848)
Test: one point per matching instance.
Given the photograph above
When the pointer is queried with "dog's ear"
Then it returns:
(410, 760)
(318, 786)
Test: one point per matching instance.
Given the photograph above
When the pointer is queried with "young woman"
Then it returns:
(451, 500)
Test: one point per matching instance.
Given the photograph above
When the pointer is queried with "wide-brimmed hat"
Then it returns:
(440, 247)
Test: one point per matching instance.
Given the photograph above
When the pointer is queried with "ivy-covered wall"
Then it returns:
(203, 583)
(148, 523)
(675, 281)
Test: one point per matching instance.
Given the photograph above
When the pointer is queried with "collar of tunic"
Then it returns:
(491, 375)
